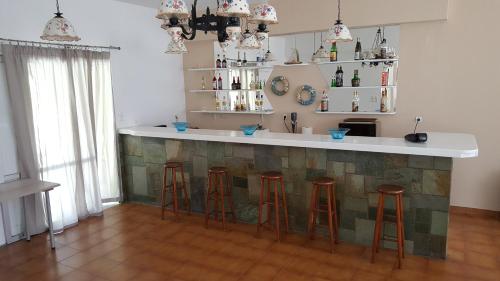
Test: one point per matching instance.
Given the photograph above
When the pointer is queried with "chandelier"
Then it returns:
(59, 29)
(226, 23)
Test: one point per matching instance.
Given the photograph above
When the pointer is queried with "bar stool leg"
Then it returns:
(311, 213)
(402, 224)
(334, 210)
(261, 204)
(317, 193)
(207, 206)
(268, 203)
(283, 197)
(163, 193)
(378, 222)
(187, 201)
(277, 210)
(330, 215)
(174, 193)
(221, 188)
(230, 194)
(216, 197)
(398, 227)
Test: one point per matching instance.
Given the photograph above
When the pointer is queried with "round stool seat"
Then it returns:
(272, 175)
(390, 189)
(323, 181)
(173, 164)
(217, 170)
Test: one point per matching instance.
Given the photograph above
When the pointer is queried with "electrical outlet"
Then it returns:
(419, 119)
(284, 116)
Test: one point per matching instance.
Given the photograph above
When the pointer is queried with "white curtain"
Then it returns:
(63, 99)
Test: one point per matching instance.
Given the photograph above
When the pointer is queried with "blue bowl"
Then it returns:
(180, 126)
(248, 130)
(338, 134)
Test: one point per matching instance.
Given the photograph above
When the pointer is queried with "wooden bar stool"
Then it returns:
(218, 191)
(397, 192)
(274, 178)
(173, 167)
(330, 208)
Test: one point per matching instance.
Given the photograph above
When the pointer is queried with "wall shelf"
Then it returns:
(363, 87)
(231, 68)
(358, 61)
(224, 91)
(234, 112)
(356, 113)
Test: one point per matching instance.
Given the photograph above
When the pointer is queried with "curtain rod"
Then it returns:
(57, 44)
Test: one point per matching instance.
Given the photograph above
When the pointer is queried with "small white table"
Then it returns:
(21, 188)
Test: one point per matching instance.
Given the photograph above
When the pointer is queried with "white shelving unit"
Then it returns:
(234, 112)
(358, 61)
(224, 91)
(363, 87)
(231, 68)
(355, 113)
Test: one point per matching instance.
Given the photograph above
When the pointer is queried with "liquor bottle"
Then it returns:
(355, 102)
(220, 82)
(244, 62)
(355, 82)
(238, 84)
(224, 61)
(339, 77)
(252, 83)
(224, 104)
(214, 83)
(217, 103)
(260, 85)
(257, 102)
(333, 84)
(261, 103)
(358, 50)
(218, 62)
(233, 85)
(203, 84)
(333, 52)
(385, 76)
(243, 105)
(384, 101)
(237, 103)
(384, 48)
(324, 102)
(238, 62)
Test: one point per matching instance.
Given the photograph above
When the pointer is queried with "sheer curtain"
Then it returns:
(63, 98)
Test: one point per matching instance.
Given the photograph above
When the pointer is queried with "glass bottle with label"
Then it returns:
(219, 83)
(218, 62)
(358, 50)
(324, 102)
(355, 102)
(224, 61)
(384, 101)
(333, 52)
(339, 77)
(355, 82)
(238, 62)
(214, 83)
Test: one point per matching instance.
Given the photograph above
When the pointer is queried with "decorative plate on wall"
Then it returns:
(306, 95)
(280, 85)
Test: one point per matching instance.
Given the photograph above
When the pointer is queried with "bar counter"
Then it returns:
(358, 165)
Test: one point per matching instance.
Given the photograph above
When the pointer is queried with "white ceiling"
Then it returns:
(156, 3)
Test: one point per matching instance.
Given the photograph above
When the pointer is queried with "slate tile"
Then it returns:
(132, 145)
(240, 182)
(350, 168)
(228, 149)
(315, 158)
(443, 163)
(438, 246)
(284, 162)
(154, 178)
(356, 204)
(439, 224)
(281, 151)
(139, 181)
(243, 151)
(403, 176)
(198, 187)
(392, 161)
(200, 166)
(265, 160)
(312, 174)
(297, 158)
(421, 162)
(422, 244)
(133, 160)
(369, 163)
(355, 185)
(154, 151)
(436, 182)
(200, 148)
(341, 155)
(215, 154)
(364, 231)
(436, 203)
(422, 228)
(174, 150)
(347, 235)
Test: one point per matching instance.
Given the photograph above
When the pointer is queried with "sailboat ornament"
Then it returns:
(294, 57)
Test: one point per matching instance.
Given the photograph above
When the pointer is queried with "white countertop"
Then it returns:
(438, 144)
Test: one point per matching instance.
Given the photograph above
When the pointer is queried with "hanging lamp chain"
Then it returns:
(338, 10)
(59, 14)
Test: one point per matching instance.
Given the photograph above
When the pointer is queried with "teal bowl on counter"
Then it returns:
(338, 133)
(181, 126)
(248, 130)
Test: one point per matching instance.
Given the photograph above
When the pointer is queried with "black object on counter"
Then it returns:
(416, 137)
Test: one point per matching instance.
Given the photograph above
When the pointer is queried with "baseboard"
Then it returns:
(475, 212)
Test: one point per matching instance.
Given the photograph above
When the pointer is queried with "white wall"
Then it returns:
(148, 84)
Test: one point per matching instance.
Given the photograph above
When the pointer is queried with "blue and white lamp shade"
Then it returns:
(173, 8)
(264, 13)
(59, 29)
(234, 8)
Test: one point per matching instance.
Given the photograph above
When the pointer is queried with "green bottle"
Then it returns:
(333, 52)
(334, 83)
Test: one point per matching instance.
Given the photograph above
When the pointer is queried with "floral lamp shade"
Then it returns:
(59, 29)
(234, 8)
(338, 33)
(176, 47)
(264, 13)
(173, 8)
(249, 41)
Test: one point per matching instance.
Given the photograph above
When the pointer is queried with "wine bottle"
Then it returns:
(244, 62)
(355, 82)
(324, 102)
(333, 52)
(339, 77)
(233, 85)
(220, 82)
(238, 62)
(224, 61)
(357, 50)
(218, 62)
(238, 84)
(355, 102)
(214, 83)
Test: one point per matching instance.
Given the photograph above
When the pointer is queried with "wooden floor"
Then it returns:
(130, 242)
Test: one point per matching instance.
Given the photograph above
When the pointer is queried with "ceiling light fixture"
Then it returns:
(226, 23)
(339, 32)
(59, 29)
